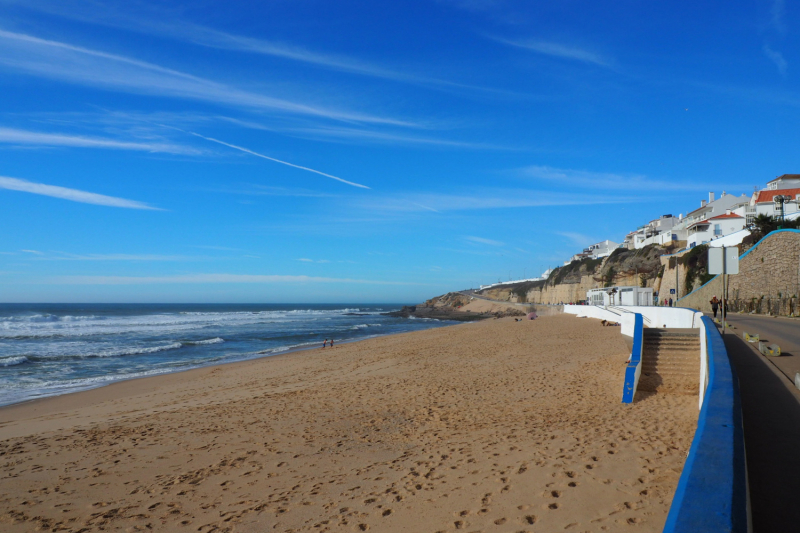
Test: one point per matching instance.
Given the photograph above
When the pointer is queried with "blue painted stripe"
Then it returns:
(712, 490)
(632, 370)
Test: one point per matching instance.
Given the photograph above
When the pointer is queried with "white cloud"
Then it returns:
(73, 195)
(777, 12)
(559, 50)
(251, 152)
(75, 64)
(16, 136)
(376, 137)
(307, 260)
(631, 183)
(36, 252)
(578, 239)
(165, 24)
(60, 256)
(481, 240)
(777, 58)
(482, 199)
(210, 278)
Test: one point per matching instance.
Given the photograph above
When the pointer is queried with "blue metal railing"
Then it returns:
(634, 368)
(712, 490)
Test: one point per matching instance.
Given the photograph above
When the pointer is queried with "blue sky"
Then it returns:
(309, 151)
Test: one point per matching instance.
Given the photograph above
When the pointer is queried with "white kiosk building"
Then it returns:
(620, 296)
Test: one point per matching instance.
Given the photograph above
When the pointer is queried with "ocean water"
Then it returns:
(52, 349)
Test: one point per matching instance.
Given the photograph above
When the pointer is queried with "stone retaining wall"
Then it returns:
(768, 281)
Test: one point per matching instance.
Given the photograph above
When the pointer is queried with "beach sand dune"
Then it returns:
(492, 426)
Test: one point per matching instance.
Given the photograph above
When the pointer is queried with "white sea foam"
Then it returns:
(48, 325)
(88, 351)
(215, 340)
(14, 360)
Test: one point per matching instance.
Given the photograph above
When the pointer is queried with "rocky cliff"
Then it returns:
(569, 283)
(457, 306)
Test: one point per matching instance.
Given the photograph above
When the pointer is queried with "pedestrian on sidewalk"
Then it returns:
(714, 305)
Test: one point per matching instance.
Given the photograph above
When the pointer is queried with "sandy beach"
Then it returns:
(490, 426)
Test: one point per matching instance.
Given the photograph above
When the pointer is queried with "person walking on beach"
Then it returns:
(714, 305)
(324, 344)
(331, 343)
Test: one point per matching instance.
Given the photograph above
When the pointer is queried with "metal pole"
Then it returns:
(724, 270)
(677, 281)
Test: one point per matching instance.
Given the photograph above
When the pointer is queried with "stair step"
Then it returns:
(670, 361)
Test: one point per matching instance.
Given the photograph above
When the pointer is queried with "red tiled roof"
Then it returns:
(725, 216)
(767, 196)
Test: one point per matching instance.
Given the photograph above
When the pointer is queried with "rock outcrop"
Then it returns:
(570, 283)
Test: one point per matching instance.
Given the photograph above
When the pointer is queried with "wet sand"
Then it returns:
(490, 426)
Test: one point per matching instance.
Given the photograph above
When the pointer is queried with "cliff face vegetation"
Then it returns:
(569, 283)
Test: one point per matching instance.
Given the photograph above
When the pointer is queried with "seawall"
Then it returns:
(768, 281)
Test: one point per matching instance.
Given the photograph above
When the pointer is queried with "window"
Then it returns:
(717, 230)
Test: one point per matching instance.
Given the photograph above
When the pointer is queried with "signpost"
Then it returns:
(723, 260)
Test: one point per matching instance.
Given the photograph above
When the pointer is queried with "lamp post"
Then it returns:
(780, 201)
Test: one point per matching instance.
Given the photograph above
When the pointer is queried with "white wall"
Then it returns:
(654, 317)
(730, 240)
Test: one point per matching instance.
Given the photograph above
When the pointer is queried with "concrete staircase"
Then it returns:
(670, 361)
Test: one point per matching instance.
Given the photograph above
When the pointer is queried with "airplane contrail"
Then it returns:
(245, 150)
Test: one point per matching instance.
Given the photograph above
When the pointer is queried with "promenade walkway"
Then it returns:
(771, 418)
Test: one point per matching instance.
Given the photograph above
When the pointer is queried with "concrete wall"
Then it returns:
(654, 317)
(768, 281)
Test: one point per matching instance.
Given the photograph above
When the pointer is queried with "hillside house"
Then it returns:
(705, 231)
(784, 181)
(764, 203)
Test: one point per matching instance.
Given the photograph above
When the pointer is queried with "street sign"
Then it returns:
(672, 291)
(723, 260)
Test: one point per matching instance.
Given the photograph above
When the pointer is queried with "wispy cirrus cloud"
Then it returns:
(212, 278)
(165, 24)
(37, 138)
(63, 256)
(98, 69)
(631, 183)
(578, 239)
(777, 58)
(559, 50)
(481, 199)
(307, 260)
(382, 137)
(481, 240)
(73, 195)
(777, 16)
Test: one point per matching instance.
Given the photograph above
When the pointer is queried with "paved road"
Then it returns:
(785, 332)
(770, 415)
(771, 420)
